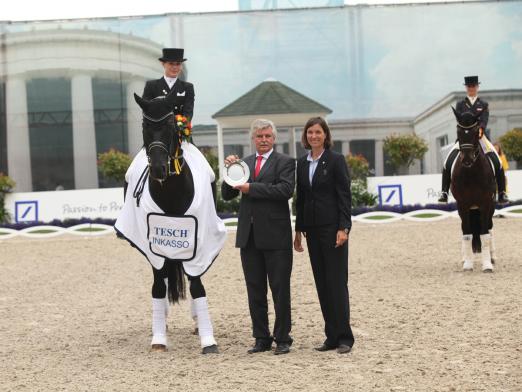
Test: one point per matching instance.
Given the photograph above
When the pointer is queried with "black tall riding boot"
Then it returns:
(501, 186)
(446, 181)
(500, 176)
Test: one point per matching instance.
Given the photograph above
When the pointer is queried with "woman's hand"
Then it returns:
(342, 237)
(297, 242)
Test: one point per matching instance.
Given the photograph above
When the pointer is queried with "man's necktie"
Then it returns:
(258, 165)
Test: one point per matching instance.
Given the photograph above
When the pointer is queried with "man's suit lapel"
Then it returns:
(250, 161)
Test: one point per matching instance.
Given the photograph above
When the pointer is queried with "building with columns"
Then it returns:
(436, 125)
(68, 96)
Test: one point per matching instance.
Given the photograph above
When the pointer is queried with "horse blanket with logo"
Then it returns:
(195, 238)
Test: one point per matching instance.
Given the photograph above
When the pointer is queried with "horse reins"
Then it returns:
(178, 155)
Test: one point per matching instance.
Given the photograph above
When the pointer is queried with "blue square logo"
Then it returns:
(390, 195)
(26, 211)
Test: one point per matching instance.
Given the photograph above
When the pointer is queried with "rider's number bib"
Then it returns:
(173, 237)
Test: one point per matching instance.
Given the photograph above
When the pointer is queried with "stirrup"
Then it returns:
(503, 198)
(443, 197)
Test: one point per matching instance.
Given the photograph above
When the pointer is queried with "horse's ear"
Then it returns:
(455, 113)
(143, 103)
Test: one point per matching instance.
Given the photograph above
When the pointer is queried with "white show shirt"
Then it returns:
(170, 81)
(313, 165)
(473, 99)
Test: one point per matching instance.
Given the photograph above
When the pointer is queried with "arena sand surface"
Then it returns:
(75, 316)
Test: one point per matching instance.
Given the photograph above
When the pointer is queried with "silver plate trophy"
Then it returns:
(236, 173)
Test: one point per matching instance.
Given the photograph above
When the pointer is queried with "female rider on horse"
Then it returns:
(472, 103)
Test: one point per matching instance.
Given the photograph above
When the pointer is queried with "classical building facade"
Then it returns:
(436, 125)
(67, 96)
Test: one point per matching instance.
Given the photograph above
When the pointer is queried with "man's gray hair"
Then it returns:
(261, 123)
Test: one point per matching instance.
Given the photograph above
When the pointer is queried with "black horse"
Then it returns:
(171, 187)
(473, 186)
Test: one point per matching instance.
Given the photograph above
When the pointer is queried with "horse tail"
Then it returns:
(176, 280)
(474, 218)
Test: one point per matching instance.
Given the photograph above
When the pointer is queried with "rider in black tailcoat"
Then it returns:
(172, 61)
(480, 108)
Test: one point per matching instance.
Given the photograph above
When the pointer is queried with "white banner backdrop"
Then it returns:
(425, 189)
(47, 206)
(107, 203)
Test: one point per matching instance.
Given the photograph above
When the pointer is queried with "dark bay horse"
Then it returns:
(473, 186)
(171, 186)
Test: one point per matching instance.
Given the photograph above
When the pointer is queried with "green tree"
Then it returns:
(512, 145)
(114, 164)
(6, 186)
(403, 150)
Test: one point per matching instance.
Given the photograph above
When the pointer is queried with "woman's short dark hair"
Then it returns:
(322, 123)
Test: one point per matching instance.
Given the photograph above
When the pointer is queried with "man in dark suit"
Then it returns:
(172, 61)
(264, 235)
(480, 108)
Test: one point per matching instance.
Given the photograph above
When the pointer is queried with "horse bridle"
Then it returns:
(178, 155)
(470, 146)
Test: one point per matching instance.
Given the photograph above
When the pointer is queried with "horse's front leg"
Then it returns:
(200, 313)
(160, 309)
(485, 238)
(467, 237)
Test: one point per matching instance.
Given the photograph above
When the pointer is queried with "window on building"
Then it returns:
(233, 149)
(50, 133)
(3, 131)
(337, 146)
(366, 148)
(442, 141)
(110, 120)
(281, 147)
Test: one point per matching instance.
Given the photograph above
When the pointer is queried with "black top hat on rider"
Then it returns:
(171, 82)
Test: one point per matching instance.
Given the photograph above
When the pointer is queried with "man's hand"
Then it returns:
(481, 133)
(342, 237)
(298, 246)
(245, 188)
(231, 159)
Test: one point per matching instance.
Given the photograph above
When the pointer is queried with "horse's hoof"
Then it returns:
(196, 331)
(468, 269)
(210, 349)
(488, 270)
(158, 348)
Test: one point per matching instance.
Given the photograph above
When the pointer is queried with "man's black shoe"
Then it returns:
(282, 348)
(261, 346)
(325, 347)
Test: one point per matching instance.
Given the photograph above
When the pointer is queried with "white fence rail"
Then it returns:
(376, 217)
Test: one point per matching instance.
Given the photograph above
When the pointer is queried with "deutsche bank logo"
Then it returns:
(390, 195)
(26, 211)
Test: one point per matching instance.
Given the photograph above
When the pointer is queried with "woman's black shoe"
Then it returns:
(325, 347)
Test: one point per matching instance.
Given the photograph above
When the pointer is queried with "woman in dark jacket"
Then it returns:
(324, 218)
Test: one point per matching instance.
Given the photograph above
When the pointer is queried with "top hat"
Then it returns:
(471, 80)
(172, 54)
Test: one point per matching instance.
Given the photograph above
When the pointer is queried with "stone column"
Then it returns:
(346, 148)
(221, 150)
(84, 133)
(18, 144)
(292, 151)
(134, 117)
(379, 158)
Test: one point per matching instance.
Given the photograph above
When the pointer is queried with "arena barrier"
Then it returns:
(375, 217)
